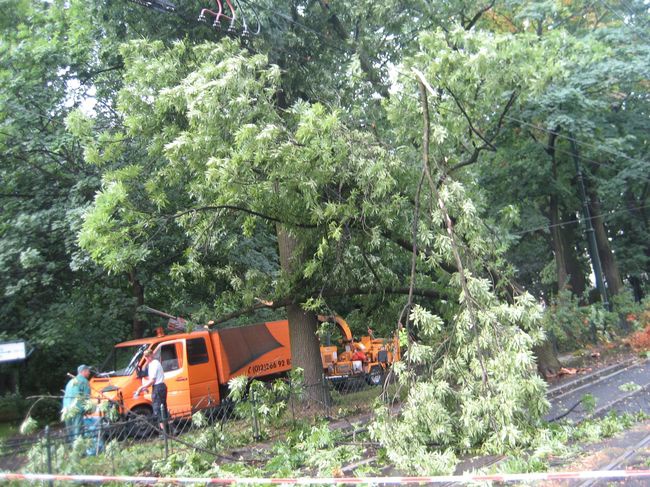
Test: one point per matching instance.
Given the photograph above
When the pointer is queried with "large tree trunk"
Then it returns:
(607, 259)
(562, 276)
(576, 271)
(637, 288)
(548, 364)
(137, 291)
(305, 348)
(557, 242)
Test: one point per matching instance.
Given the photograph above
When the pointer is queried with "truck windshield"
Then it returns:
(123, 360)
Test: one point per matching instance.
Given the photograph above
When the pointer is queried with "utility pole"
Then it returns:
(589, 229)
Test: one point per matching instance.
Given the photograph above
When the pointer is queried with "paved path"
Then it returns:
(624, 390)
(605, 385)
(629, 449)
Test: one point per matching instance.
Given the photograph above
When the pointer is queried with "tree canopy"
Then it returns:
(410, 167)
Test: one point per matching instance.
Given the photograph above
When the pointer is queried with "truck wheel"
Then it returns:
(111, 431)
(140, 422)
(375, 376)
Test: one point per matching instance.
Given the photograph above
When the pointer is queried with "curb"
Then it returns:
(594, 377)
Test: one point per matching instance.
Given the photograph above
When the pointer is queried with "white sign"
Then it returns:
(12, 351)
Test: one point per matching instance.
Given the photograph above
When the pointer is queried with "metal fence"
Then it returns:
(259, 418)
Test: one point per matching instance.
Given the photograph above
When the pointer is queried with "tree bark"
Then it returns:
(637, 288)
(137, 291)
(557, 243)
(607, 259)
(305, 348)
(574, 268)
(548, 364)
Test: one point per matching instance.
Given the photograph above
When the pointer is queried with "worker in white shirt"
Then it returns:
(156, 379)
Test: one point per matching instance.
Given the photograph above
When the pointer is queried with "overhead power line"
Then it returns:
(586, 144)
(573, 139)
(560, 150)
(636, 28)
(304, 27)
(604, 216)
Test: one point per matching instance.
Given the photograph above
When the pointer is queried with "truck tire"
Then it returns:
(140, 423)
(375, 375)
(112, 431)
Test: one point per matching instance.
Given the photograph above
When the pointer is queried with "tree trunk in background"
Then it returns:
(569, 272)
(305, 348)
(607, 259)
(636, 208)
(576, 271)
(637, 288)
(554, 213)
(548, 364)
(137, 290)
(557, 242)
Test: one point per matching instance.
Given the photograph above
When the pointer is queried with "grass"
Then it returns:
(147, 458)
(565, 441)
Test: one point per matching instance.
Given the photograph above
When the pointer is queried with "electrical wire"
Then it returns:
(640, 32)
(604, 216)
(562, 151)
(585, 144)
(572, 139)
(633, 13)
(306, 28)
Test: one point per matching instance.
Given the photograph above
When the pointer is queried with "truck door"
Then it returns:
(172, 358)
(202, 372)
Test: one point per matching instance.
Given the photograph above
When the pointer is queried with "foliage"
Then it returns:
(50, 289)
(630, 387)
(117, 458)
(599, 111)
(588, 402)
(573, 326)
(79, 405)
(109, 411)
(263, 403)
(463, 411)
(12, 406)
(28, 426)
(471, 374)
(312, 449)
(564, 440)
(145, 159)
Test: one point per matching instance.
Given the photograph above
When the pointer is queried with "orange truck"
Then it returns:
(199, 364)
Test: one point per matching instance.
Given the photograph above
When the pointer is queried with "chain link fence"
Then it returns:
(264, 414)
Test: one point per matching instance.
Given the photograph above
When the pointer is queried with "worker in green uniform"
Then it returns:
(75, 398)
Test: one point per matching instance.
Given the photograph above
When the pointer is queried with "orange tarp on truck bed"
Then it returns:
(253, 350)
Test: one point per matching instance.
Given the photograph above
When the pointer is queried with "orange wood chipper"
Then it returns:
(368, 357)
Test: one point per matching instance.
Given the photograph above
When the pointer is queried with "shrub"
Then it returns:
(12, 407)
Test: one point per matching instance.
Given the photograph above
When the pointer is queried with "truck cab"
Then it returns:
(189, 365)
